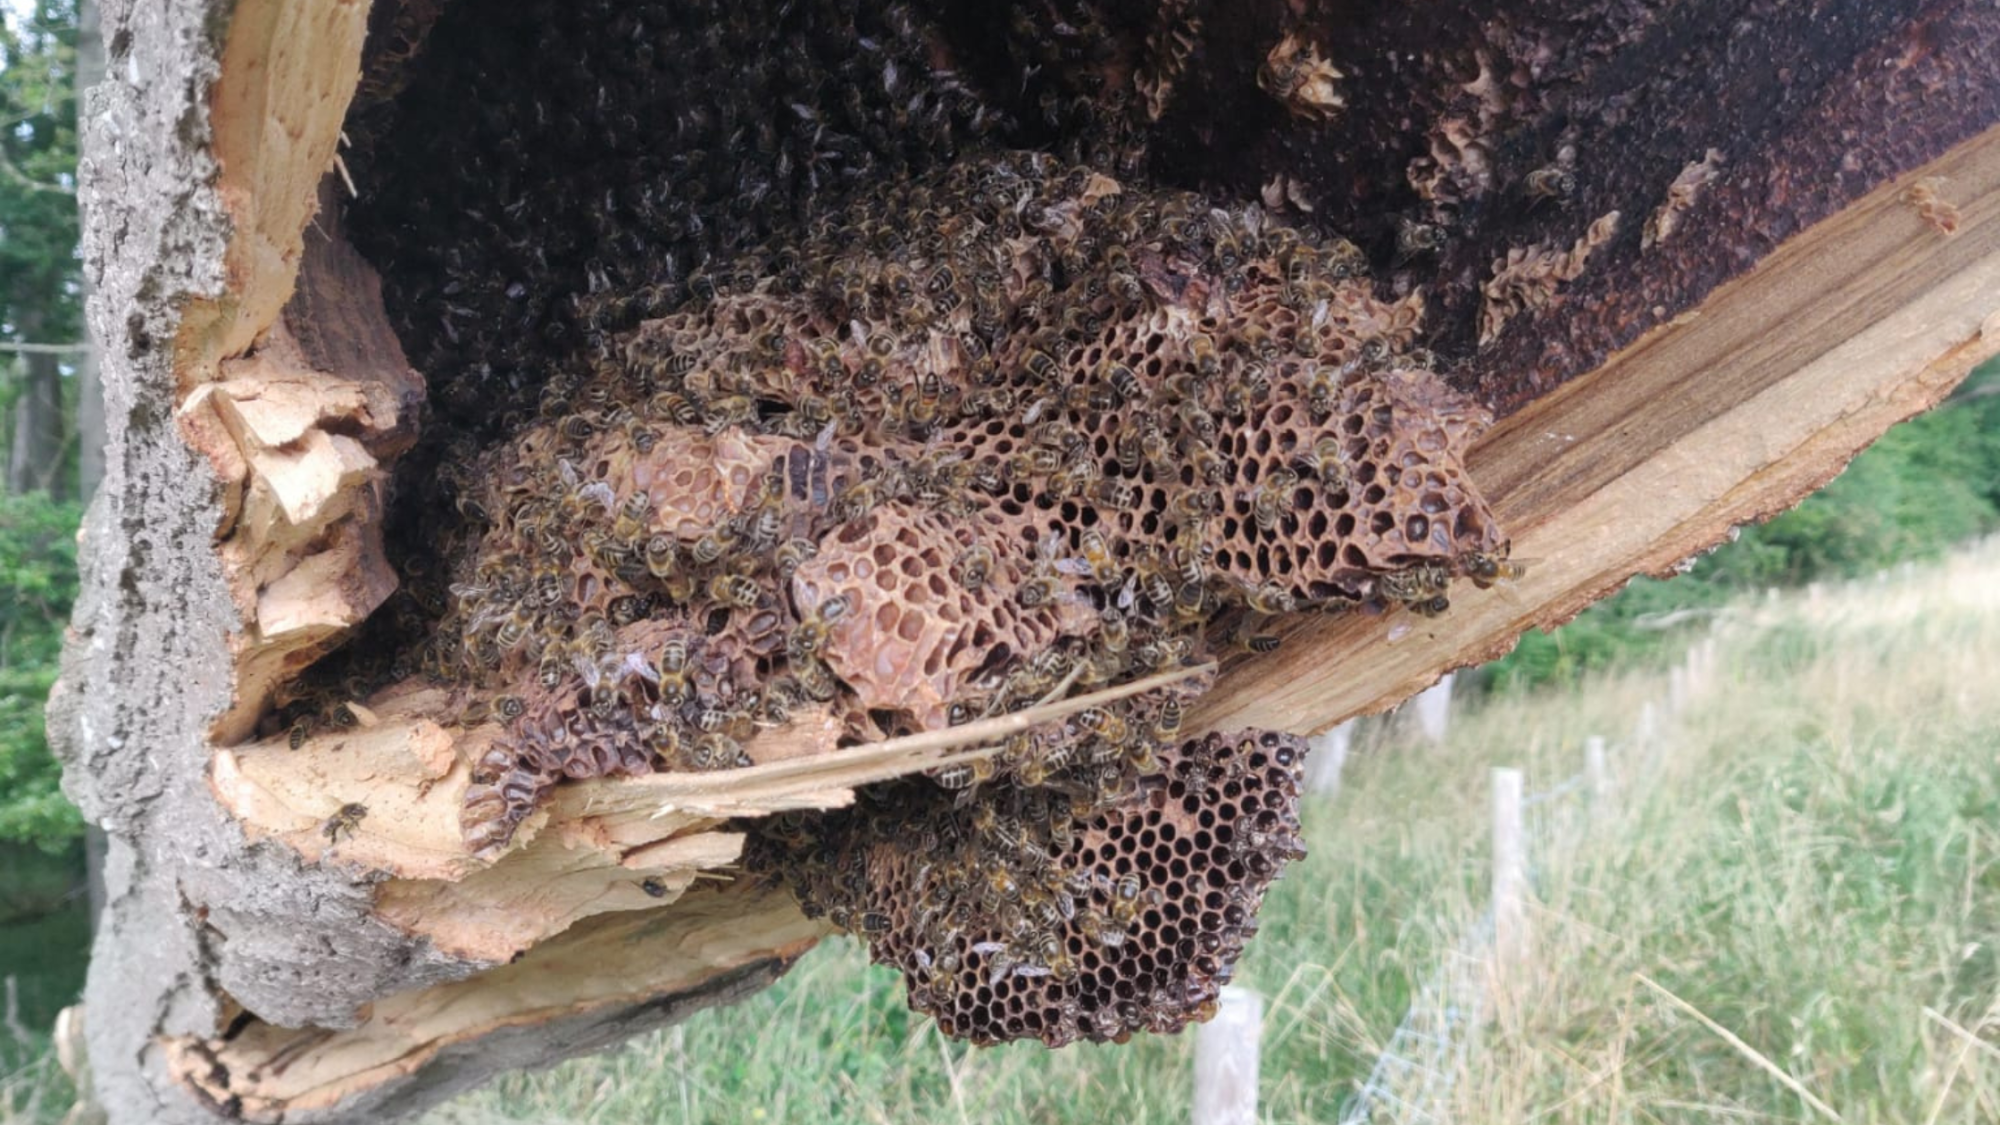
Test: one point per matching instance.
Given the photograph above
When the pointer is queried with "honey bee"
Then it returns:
(1125, 900)
(663, 741)
(1325, 462)
(1550, 182)
(1118, 495)
(792, 554)
(672, 407)
(509, 707)
(921, 413)
(717, 751)
(1167, 720)
(1104, 568)
(826, 352)
(1039, 590)
(345, 819)
(1194, 504)
(1259, 342)
(1271, 498)
(963, 776)
(1422, 583)
(661, 556)
(1104, 724)
(1271, 599)
(716, 542)
(734, 590)
(673, 672)
(809, 638)
(1202, 353)
(973, 567)
(815, 679)
(1486, 570)
(1095, 927)
(1414, 238)
(1114, 631)
(632, 516)
(301, 730)
(1207, 464)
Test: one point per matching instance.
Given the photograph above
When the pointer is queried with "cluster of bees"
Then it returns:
(1046, 433)
(754, 396)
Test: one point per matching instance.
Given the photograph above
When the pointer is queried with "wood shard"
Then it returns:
(1526, 280)
(1308, 85)
(1681, 195)
(1933, 208)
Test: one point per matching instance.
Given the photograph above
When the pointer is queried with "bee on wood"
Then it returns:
(716, 751)
(1271, 599)
(1487, 570)
(346, 819)
(1415, 585)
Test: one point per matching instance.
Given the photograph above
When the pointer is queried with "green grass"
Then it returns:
(1809, 861)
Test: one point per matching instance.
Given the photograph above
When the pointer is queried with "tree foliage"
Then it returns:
(38, 583)
(39, 268)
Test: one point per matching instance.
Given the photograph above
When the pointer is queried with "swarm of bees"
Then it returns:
(779, 402)
(1009, 432)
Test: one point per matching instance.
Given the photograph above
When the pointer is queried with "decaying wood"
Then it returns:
(264, 958)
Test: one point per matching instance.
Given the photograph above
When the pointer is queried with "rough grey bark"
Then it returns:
(90, 387)
(147, 666)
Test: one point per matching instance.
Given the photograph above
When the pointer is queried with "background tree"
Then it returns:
(40, 298)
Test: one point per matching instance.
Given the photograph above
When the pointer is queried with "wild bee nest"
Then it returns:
(1006, 432)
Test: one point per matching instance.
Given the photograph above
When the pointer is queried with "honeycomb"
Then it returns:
(996, 434)
(1021, 919)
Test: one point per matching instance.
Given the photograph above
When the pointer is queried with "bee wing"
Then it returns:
(1072, 566)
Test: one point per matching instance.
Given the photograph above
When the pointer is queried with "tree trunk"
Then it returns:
(1676, 343)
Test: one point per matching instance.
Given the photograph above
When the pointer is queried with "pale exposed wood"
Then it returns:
(289, 69)
(1727, 416)
(607, 963)
(592, 850)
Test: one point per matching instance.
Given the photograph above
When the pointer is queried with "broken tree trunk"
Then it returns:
(1755, 243)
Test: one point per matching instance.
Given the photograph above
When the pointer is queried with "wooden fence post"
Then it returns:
(1596, 774)
(1510, 867)
(1225, 1060)
(1433, 709)
(1328, 760)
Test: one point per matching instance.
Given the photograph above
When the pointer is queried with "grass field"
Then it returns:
(1809, 859)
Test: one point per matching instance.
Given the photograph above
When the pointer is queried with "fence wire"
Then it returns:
(1413, 1077)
